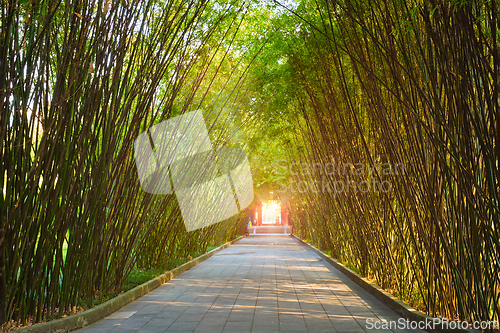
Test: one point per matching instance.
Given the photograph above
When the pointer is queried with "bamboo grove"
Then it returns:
(79, 81)
(381, 84)
(405, 90)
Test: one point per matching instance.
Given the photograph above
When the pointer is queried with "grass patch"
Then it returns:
(352, 268)
(346, 264)
(139, 276)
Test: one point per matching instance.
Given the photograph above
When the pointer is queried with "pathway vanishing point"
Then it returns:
(259, 284)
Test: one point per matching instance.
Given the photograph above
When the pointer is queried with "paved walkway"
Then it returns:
(260, 284)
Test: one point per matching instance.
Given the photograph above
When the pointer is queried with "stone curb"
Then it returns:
(398, 306)
(94, 314)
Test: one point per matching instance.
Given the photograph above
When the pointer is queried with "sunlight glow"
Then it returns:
(271, 211)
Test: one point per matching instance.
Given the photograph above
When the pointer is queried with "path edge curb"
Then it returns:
(398, 306)
(96, 313)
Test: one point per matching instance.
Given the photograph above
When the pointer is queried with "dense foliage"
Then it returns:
(394, 161)
(79, 81)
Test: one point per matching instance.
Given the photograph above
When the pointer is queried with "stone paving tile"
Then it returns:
(260, 284)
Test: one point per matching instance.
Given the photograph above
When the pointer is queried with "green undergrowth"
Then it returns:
(351, 267)
(139, 276)
(414, 299)
(136, 277)
(346, 264)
